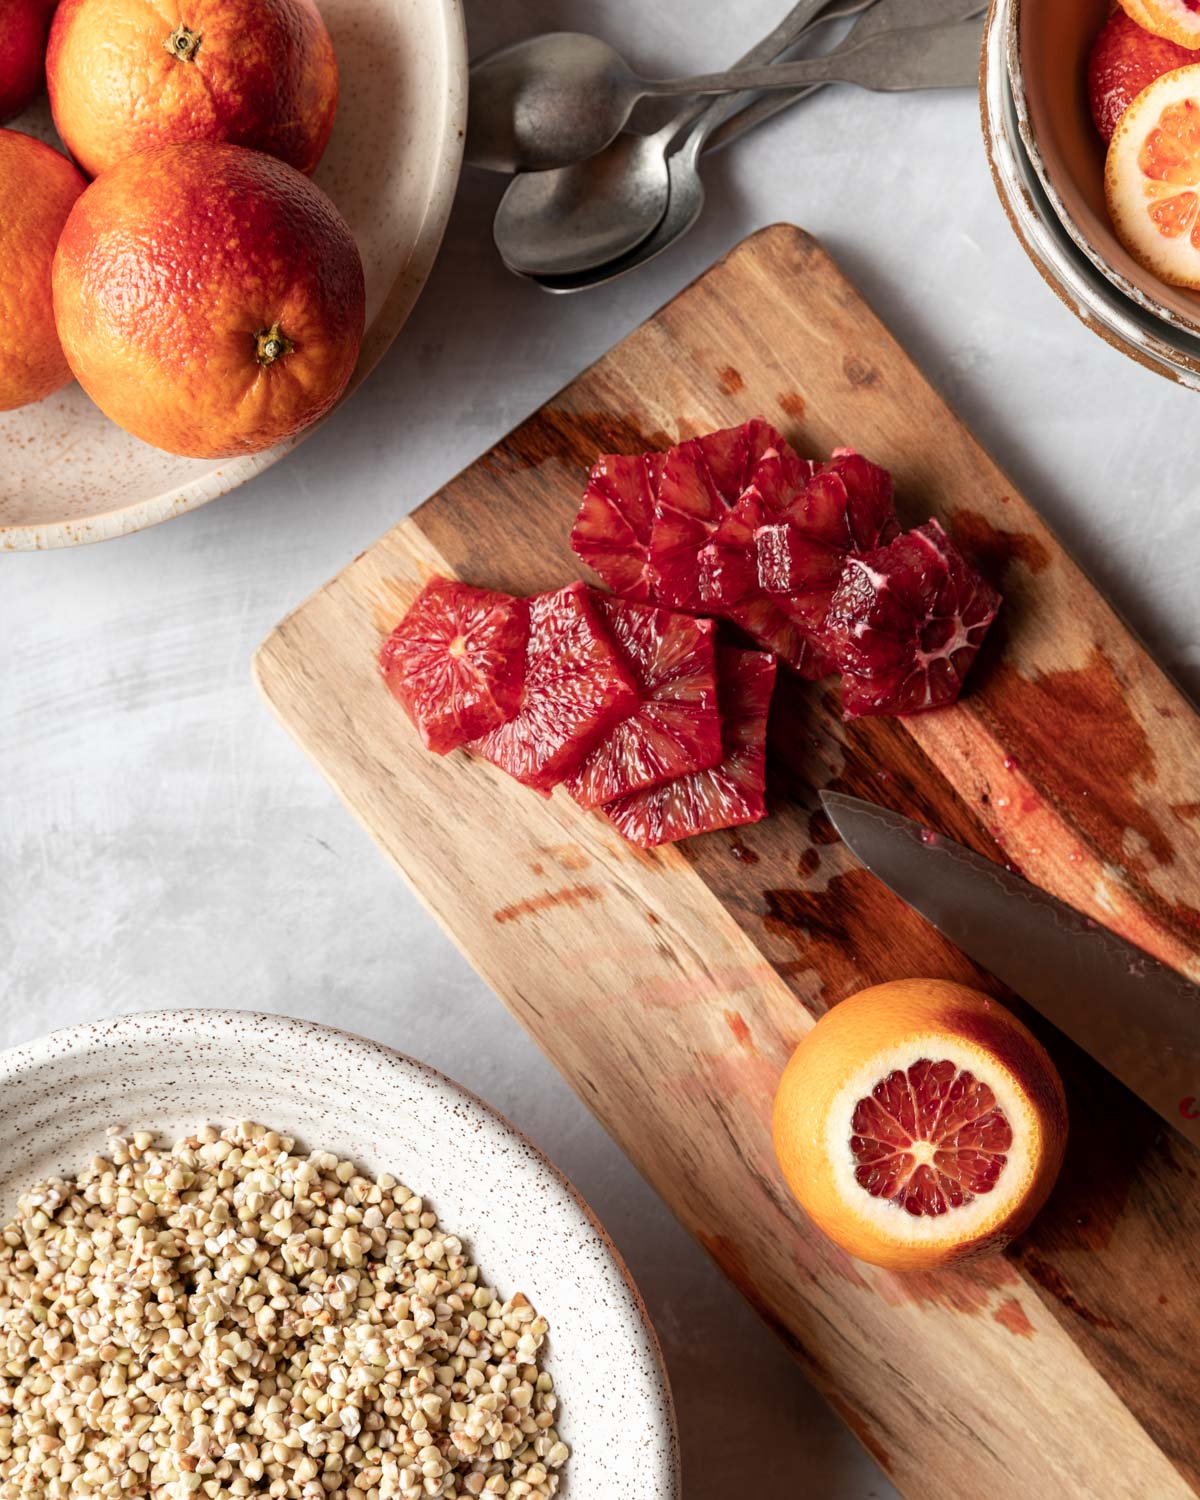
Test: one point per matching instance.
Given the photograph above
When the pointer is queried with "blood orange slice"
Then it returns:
(702, 482)
(675, 728)
(1152, 177)
(906, 622)
(729, 794)
(1125, 59)
(612, 530)
(847, 507)
(1177, 20)
(920, 1122)
(576, 688)
(456, 662)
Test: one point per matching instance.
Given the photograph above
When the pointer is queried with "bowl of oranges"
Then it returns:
(1090, 115)
(219, 214)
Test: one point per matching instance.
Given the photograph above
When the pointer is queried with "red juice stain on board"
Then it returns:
(993, 550)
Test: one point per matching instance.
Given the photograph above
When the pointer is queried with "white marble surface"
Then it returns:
(163, 843)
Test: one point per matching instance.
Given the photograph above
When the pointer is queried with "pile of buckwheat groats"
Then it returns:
(227, 1319)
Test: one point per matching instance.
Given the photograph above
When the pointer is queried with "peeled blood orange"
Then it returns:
(616, 516)
(1152, 177)
(210, 300)
(906, 622)
(456, 662)
(920, 1123)
(730, 793)
(577, 686)
(675, 728)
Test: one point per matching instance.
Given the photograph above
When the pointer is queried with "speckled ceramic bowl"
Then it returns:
(1133, 325)
(69, 475)
(527, 1228)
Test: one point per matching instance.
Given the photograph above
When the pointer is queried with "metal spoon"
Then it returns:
(686, 191)
(570, 220)
(557, 98)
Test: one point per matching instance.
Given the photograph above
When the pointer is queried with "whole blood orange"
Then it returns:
(23, 28)
(1124, 59)
(920, 1122)
(38, 187)
(126, 75)
(209, 299)
(1152, 177)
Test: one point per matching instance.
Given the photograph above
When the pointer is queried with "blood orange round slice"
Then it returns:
(1177, 20)
(676, 728)
(577, 686)
(612, 530)
(920, 1122)
(906, 622)
(1152, 177)
(456, 662)
(732, 792)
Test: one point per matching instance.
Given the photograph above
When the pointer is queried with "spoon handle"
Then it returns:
(784, 36)
(912, 57)
(758, 108)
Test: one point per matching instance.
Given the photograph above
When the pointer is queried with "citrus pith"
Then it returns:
(1152, 177)
(919, 1123)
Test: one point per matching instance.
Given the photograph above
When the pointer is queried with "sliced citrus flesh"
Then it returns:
(577, 686)
(1152, 177)
(676, 727)
(730, 793)
(1176, 20)
(919, 1123)
(456, 662)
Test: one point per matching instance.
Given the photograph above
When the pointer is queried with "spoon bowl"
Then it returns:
(566, 221)
(547, 101)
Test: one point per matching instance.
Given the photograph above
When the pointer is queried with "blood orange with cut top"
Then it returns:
(920, 1122)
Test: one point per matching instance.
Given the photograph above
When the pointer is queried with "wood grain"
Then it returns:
(670, 987)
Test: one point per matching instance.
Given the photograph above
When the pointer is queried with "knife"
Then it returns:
(1135, 1016)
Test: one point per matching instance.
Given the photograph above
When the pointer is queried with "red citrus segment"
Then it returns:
(456, 662)
(1125, 59)
(930, 1138)
(612, 530)
(576, 688)
(702, 482)
(730, 793)
(676, 728)
(906, 622)
(777, 626)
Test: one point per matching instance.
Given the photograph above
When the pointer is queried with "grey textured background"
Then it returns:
(163, 843)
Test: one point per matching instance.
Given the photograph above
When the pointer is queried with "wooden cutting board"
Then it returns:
(670, 987)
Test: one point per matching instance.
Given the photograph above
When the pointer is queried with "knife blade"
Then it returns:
(1134, 1015)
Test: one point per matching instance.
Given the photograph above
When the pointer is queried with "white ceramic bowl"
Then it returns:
(69, 475)
(521, 1220)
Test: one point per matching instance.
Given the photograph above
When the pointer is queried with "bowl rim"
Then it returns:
(67, 1041)
(1094, 300)
(407, 285)
(1124, 283)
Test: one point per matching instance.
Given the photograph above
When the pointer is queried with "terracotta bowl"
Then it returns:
(69, 475)
(1082, 280)
(1048, 44)
(527, 1227)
